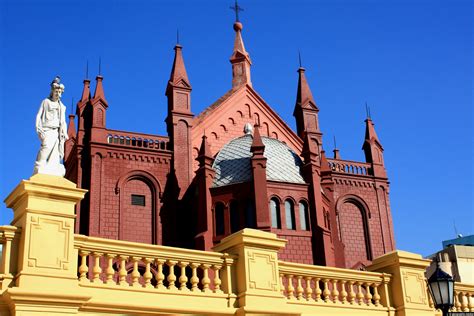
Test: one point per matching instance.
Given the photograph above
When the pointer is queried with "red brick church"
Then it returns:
(235, 165)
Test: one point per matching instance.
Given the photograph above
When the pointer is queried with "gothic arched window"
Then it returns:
(219, 218)
(275, 213)
(234, 217)
(304, 216)
(290, 215)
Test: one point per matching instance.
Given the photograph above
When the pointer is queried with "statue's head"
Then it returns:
(57, 89)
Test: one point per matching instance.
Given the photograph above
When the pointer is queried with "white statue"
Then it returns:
(52, 131)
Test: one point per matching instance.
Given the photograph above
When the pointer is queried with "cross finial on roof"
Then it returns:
(236, 8)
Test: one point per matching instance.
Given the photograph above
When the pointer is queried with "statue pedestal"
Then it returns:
(49, 169)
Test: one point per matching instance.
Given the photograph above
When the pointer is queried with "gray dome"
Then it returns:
(232, 163)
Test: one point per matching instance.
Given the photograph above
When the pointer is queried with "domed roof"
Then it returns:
(232, 163)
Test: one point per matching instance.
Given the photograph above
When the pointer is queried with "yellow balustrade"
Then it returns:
(46, 269)
(463, 297)
(121, 263)
(328, 286)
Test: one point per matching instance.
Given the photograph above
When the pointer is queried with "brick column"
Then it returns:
(43, 209)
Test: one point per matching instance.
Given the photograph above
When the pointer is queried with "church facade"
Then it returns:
(235, 165)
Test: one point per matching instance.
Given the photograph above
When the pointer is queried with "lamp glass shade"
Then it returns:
(442, 289)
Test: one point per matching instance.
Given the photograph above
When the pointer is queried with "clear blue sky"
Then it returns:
(412, 61)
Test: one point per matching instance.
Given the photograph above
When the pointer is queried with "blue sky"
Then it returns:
(412, 61)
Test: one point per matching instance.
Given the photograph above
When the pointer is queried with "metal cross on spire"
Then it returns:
(236, 8)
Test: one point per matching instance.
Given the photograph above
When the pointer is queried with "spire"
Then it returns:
(205, 156)
(71, 129)
(257, 147)
(304, 97)
(335, 150)
(373, 149)
(178, 74)
(240, 60)
(306, 110)
(99, 89)
(324, 162)
(86, 91)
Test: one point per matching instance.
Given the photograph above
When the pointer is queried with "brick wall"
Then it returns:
(111, 190)
(298, 249)
(373, 202)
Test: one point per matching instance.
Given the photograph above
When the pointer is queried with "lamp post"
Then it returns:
(441, 287)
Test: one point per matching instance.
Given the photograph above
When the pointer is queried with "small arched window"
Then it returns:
(219, 218)
(275, 213)
(234, 217)
(304, 216)
(290, 215)
(250, 220)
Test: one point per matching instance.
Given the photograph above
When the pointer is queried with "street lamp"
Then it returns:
(442, 290)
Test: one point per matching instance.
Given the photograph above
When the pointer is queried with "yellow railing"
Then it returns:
(7, 263)
(327, 285)
(139, 265)
(463, 297)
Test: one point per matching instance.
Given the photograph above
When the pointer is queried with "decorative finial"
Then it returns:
(100, 66)
(236, 8)
(87, 69)
(367, 111)
(72, 106)
(177, 36)
(335, 144)
(299, 58)
(248, 129)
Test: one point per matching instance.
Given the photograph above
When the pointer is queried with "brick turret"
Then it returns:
(306, 111)
(259, 173)
(373, 150)
(322, 241)
(179, 121)
(240, 60)
(204, 176)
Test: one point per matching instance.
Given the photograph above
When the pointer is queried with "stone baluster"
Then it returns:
(317, 292)
(159, 276)
(282, 285)
(96, 270)
(352, 294)
(326, 292)
(343, 294)
(205, 279)
(335, 292)
(464, 302)
(147, 276)
(290, 290)
(123, 271)
(470, 302)
(217, 278)
(135, 273)
(376, 296)
(171, 276)
(83, 268)
(109, 272)
(183, 279)
(457, 303)
(299, 288)
(194, 279)
(308, 291)
(359, 294)
(368, 295)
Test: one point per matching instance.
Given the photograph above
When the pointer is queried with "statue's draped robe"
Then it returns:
(52, 131)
